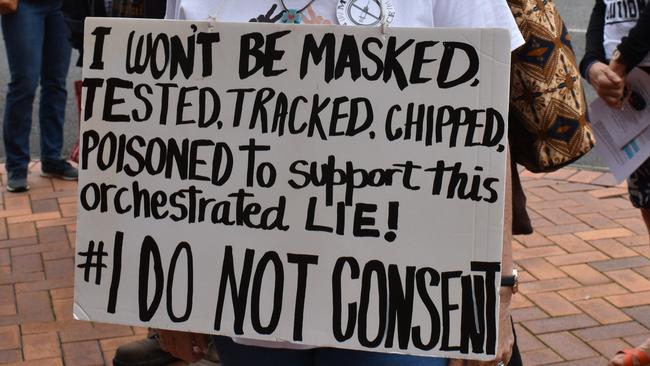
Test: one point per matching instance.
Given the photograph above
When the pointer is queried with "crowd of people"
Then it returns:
(40, 34)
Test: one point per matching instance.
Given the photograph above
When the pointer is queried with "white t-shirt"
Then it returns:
(408, 13)
(620, 17)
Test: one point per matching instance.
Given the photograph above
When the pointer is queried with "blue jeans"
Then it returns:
(234, 354)
(37, 50)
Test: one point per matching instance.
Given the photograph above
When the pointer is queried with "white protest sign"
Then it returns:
(328, 186)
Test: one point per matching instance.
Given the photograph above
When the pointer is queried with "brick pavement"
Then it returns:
(584, 293)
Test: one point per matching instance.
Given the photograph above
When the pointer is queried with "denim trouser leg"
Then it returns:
(56, 57)
(25, 33)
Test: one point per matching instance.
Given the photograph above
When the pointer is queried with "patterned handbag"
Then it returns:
(548, 111)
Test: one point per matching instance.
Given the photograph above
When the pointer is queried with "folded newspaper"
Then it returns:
(622, 135)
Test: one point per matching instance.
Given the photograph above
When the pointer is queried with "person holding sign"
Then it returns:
(618, 41)
(417, 13)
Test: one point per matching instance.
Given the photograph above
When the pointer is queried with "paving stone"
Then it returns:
(4, 233)
(567, 345)
(571, 243)
(52, 234)
(607, 179)
(574, 187)
(585, 176)
(602, 311)
(62, 293)
(553, 304)
(604, 234)
(11, 243)
(561, 174)
(609, 347)
(10, 356)
(60, 268)
(97, 331)
(630, 300)
(40, 206)
(541, 269)
(643, 271)
(520, 301)
(533, 240)
(630, 280)
(27, 263)
(585, 274)
(620, 263)
(56, 222)
(21, 230)
(5, 257)
(640, 313)
(591, 292)
(634, 224)
(9, 337)
(636, 339)
(566, 229)
(558, 216)
(33, 217)
(610, 331)
(575, 258)
(540, 357)
(7, 300)
(608, 192)
(560, 323)
(68, 209)
(38, 248)
(548, 285)
(613, 248)
(40, 346)
(537, 252)
(618, 214)
(598, 221)
(634, 241)
(529, 313)
(526, 341)
(9, 278)
(82, 353)
(34, 306)
(584, 362)
(63, 309)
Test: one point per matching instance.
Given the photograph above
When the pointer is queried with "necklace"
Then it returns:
(293, 16)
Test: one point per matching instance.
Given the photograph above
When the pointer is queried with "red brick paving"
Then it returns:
(585, 273)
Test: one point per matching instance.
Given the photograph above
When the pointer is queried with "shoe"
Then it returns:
(17, 181)
(630, 357)
(60, 169)
(145, 352)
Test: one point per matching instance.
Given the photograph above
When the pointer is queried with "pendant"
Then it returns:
(291, 16)
(364, 12)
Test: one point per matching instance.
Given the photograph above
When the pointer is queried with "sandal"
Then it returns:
(632, 354)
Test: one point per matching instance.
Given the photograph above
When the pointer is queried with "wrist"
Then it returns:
(593, 69)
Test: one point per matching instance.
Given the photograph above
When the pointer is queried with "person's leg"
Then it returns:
(341, 357)
(235, 354)
(23, 34)
(55, 64)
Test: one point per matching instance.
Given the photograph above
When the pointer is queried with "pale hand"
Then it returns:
(189, 347)
(608, 84)
(506, 337)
